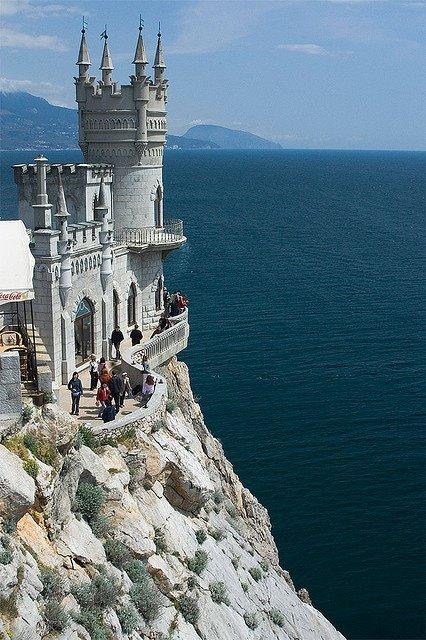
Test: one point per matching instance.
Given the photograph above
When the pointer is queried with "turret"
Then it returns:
(83, 60)
(140, 59)
(159, 64)
(64, 245)
(106, 63)
(42, 208)
(105, 235)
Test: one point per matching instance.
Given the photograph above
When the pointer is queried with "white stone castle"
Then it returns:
(98, 234)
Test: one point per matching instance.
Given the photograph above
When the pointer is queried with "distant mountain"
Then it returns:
(229, 138)
(30, 122)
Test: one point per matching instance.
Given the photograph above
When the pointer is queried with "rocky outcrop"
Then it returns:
(147, 534)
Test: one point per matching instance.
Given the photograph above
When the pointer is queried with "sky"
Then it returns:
(305, 73)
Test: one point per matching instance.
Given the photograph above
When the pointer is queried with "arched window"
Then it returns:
(115, 308)
(131, 305)
(83, 331)
(158, 208)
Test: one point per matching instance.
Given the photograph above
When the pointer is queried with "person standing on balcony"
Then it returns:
(93, 368)
(136, 335)
(127, 389)
(116, 388)
(116, 339)
(76, 388)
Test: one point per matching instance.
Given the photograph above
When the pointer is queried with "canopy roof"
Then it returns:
(16, 263)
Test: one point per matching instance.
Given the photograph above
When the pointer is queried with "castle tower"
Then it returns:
(126, 126)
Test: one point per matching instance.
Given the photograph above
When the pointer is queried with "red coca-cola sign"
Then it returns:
(13, 296)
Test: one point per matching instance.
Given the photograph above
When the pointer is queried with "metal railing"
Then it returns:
(170, 233)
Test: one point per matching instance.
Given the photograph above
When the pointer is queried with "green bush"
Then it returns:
(189, 609)
(277, 617)
(198, 563)
(89, 500)
(160, 424)
(201, 536)
(159, 541)
(92, 623)
(217, 496)
(146, 598)
(101, 593)
(9, 525)
(251, 620)
(117, 552)
(170, 406)
(31, 467)
(236, 562)
(53, 586)
(217, 534)
(6, 557)
(219, 592)
(136, 571)
(100, 526)
(87, 438)
(27, 412)
(55, 616)
(192, 582)
(256, 573)
(129, 618)
(264, 565)
(41, 447)
(245, 586)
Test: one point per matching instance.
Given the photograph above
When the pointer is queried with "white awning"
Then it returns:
(16, 263)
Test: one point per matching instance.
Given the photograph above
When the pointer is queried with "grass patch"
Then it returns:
(41, 447)
(129, 618)
(136, 571)
(245, 586)
(146, 598)
(264, 565)
(117, 553)
(256, 573)
(86, 437)
(170, 406)
(201, 536)
(160, 541)
(251, 620)
(31, 467)
(277, 617)
(217, 534)
(55, 616)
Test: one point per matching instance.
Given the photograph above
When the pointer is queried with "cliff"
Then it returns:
(145, 533)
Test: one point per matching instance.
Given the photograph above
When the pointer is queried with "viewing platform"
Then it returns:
(170, 236)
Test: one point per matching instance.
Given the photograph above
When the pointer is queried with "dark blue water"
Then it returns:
(306, 282)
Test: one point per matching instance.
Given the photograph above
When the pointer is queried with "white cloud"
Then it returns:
(36, 10)
(18, 39)
(310, 49)
(51, 92)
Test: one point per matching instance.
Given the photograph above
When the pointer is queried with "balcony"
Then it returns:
(170, 236)
(163, 346)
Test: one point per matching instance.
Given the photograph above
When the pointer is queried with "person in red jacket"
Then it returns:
(102, 398)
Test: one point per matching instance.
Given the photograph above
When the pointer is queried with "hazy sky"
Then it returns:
(307, 73)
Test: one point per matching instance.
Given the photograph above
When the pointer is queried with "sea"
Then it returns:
(305, 274)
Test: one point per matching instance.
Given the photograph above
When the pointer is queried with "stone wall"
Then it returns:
(10, 389)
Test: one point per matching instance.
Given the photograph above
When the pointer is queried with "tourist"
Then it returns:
(136, 335)
(102, 397)
(93, 369)
(148, 389)
(166, 301)
(76, 388)
(163, 324)
(145, 363)
(109, 413)
(127, 389)
(116, 339)
(116, 388)
(104, 374)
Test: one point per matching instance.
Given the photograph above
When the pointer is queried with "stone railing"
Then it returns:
(161, 347)
(171, 233)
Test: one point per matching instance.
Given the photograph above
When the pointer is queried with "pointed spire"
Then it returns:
(62, 211)
(159, 55)
(101, 201)
(83, 54)
(140, 53)
(106, 63)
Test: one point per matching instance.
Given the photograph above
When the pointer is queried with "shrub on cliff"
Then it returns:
(277, 617)
(53, 585)
(219, 592)
(117, 553)
(198, 563)
(89, 500)
(146, 598)
(129, 618)
(55, 616)
(136, 570)
(256, 573)
(189, 609)
(201, 536)
(251, 620)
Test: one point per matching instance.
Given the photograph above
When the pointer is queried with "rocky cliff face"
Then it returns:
(145, 533)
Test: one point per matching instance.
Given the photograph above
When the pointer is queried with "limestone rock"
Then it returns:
(77, 540)
(17, 488)
(34, 537)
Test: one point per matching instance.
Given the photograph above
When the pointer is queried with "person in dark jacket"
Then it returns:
(108, 414)
(116, 387)
(76, 388)
(116, 339)
(135, 335)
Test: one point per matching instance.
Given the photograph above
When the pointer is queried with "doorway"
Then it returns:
(83, 332)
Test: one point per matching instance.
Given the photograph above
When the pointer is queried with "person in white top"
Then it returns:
(93, 368)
